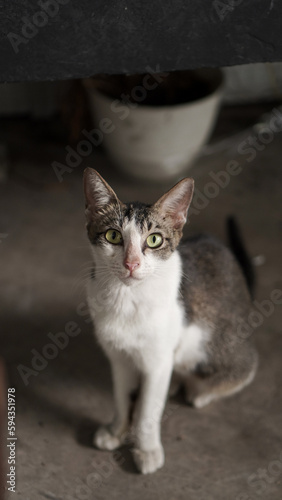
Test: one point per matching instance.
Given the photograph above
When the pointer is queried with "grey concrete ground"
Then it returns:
(229, 450)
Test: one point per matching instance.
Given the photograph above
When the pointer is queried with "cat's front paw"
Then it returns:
(148, 462)
(104, 440)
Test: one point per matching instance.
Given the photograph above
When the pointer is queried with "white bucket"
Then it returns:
(156, 142)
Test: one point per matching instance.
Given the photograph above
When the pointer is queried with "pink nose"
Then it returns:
(132, 265)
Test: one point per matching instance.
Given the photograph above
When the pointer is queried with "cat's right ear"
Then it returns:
(98, 193)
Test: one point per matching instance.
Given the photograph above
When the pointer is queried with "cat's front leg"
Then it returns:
(125, 380)
(148, 453)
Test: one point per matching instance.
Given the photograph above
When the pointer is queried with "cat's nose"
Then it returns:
(132, 265)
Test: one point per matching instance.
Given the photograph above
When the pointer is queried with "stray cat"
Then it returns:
(160, 306)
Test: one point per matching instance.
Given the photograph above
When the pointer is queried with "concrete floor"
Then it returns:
(229, 450)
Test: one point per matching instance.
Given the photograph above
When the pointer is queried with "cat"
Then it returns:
(161, 307)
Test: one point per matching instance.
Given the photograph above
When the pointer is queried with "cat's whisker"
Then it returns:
(90, 265)
(83, 274)
(83, 280)
(185, 276)
(79, 291)
(87, 262)
(86, 269)
(99, 273)
(101, 267)
(79, 283)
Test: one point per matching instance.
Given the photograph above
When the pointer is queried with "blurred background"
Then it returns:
(142, 132)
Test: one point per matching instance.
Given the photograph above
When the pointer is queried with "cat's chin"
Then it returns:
(130, 280)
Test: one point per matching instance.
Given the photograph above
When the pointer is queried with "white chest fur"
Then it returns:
(191, 348)
(145, 320)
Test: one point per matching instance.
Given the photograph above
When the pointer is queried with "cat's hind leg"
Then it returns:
(207, 384)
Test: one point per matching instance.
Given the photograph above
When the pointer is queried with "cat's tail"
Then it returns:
(238, 248)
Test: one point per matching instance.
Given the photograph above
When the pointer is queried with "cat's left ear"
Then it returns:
(175, 203)
(98, 193)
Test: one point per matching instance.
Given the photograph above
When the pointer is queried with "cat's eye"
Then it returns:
(113, 236)
(154, 240)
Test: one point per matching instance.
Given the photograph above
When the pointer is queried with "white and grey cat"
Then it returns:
(160, 306)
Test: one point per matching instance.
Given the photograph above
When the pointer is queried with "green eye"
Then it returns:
(154, 240)
(113, 236)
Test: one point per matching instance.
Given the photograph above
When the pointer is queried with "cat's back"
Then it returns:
(213, 282)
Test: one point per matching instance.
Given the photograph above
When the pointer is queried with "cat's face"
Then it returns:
(131, 241)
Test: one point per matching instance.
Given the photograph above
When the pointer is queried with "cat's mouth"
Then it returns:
(130, 278)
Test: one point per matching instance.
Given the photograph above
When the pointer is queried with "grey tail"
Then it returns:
(237, 246)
